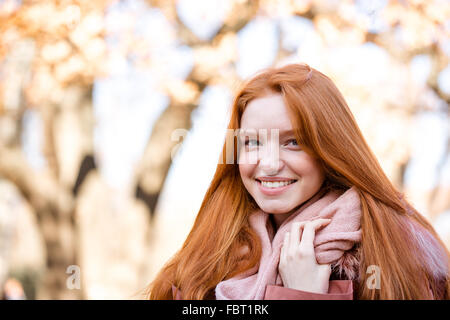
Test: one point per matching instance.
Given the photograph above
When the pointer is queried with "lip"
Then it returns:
(274, 178)
(273, 191)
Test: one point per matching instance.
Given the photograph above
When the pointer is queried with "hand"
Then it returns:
(298, 265)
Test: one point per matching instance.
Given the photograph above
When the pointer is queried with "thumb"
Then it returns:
(320, 223)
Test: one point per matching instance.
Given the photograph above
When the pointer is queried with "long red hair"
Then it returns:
(413, 260)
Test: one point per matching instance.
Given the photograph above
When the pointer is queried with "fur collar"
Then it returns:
(347, 266)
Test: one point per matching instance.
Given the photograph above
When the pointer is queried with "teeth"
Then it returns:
(276, 184)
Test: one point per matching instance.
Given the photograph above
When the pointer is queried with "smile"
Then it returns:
(273, 188)
(276, 184)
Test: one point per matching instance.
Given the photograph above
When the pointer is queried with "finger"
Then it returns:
(298, 227)
(326, 267)
(309, 232)
(302, 225)
(295, 234)
(284, 247)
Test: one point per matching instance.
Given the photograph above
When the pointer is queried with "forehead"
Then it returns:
(268, 112)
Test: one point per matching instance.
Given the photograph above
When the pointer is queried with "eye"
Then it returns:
(292, 144)
(252, 143)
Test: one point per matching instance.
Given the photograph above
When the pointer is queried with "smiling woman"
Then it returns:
(279, 181)
(305, 211)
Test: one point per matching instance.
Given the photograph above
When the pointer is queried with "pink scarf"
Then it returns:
(330, 242)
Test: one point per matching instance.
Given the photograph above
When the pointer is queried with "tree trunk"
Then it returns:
(53, 206)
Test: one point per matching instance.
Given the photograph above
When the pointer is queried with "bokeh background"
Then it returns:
(113, 115)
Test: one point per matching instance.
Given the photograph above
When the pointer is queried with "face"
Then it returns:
(277, 173)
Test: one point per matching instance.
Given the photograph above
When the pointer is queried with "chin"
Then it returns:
(274, 209)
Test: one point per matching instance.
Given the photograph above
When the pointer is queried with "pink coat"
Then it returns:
(339, 288)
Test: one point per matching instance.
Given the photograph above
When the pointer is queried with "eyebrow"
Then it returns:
(281, 131)
(286, 132)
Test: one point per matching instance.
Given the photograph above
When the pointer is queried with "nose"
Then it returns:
(269, 160)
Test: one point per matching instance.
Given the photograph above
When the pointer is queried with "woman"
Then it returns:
(303, 210)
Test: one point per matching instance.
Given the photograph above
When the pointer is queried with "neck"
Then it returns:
(278, 219)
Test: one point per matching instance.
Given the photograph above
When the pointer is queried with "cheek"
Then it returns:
(246, 171)
(316, 172)
(306, 166)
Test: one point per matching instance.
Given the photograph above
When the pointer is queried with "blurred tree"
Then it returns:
(213, 64)
(50, 53)
(53, 51)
